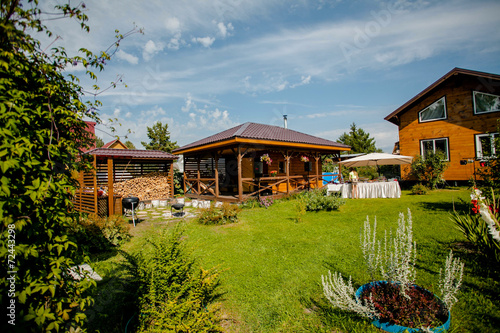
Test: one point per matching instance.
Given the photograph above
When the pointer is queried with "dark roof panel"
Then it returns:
(132, 153)
(263, 132)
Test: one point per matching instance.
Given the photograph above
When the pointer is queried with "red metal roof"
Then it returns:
(263, 132)
(392, 117)
(132, 153)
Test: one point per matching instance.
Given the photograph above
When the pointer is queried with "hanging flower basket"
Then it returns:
(401, 314)
(304, 159)
(265, 158)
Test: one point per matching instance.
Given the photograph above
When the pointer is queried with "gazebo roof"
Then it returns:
(261, 134)
(132, 154)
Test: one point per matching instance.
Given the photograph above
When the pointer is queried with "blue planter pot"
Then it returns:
(397, 328)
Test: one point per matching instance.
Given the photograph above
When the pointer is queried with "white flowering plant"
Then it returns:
(395, 299)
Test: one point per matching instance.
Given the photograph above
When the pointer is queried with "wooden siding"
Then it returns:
(460, 127)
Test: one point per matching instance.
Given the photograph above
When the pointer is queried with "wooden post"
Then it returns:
(184, 174)
(111, 178)
(199, 176)
(94, 173)
(171, 171)
(240, 184)
(316, 157)
(216, 174)
(287, 158)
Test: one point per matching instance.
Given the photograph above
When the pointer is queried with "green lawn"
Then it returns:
(274, 264)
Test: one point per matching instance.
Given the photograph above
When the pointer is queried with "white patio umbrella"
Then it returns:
(377, 159)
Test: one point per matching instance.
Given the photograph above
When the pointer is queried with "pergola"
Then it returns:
(116, 165)
(229, 166)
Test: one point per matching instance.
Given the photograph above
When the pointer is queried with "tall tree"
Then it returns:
(129, 144)
(41, 138)
(159, 137)
(98, 142)
(359, 140)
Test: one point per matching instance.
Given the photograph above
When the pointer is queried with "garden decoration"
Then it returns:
(265, 158)
(304, 159)
(394, 302)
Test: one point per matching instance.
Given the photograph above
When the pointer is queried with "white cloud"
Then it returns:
(150, 49)
(205, 41)
(225, 30)
(131, 59)
(173, 25)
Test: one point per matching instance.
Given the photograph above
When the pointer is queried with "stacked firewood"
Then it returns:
(151, 186)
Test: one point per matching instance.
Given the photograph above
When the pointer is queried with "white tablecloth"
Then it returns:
(368, 190)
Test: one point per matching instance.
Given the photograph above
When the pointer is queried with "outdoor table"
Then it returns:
(373, 190)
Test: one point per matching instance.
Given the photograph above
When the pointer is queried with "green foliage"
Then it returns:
(41, 135)
(98, 234)
(178, 182)
(489, 175)
(430, 169)
(475, 229)
(316, 200)
(98, 142)
(224, 214)
(301, 207)
(159, 137)
(419, 189)
(129, 145)
(174, 295)
(252, 202)
(359, 140)
(41, 138)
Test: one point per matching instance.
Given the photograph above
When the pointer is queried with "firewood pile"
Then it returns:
(152, 186)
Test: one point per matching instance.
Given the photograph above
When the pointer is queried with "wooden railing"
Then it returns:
(200, 186)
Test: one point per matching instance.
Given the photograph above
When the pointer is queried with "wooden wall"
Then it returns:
(460, 126)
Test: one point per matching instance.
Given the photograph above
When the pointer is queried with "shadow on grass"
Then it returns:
(445, 206)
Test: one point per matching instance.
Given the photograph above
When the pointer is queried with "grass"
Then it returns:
(274, 264)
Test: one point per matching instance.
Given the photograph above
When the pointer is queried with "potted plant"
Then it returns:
(273, 173)
(392, 300)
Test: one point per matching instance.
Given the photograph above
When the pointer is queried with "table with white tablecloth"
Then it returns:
(389, 189)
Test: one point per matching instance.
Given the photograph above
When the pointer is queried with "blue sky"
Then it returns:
(205, 66)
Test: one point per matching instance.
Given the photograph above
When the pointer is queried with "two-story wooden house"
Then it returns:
(458, 114)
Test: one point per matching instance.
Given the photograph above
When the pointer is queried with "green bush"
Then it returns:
(98, 234)
(174, 295)
(430, 169)
(225, 214)
(419, 189)
(317, 200)
(250, 203)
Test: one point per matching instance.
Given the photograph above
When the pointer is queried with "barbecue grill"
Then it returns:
(130, 203)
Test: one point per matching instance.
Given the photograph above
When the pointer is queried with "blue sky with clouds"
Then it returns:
(205, 66)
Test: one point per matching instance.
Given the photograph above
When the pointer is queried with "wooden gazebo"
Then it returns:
(116, 165)
(231, 165)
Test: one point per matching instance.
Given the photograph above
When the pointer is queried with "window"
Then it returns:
(485, 103)
(434, 145)
(282, 167)
(485, 145)
(435, 111)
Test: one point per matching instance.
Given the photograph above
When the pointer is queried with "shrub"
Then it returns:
(317, 200)
(225, 214)
(300, 209)
(250, 203)
(174, 295)
(430, 169)
(98, 234)
(419, 189)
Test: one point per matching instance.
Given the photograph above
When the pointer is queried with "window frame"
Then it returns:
(428, 106)
(474, 92)
(434, 146)
(478, 145)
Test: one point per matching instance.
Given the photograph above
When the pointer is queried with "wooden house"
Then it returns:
(252, 160)
(117, 165)
(458, 114)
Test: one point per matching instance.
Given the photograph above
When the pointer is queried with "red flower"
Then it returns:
(475, 207)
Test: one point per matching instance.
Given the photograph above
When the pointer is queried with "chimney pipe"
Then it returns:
(285, 120)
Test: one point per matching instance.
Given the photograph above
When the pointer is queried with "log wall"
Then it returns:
(460, 127)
